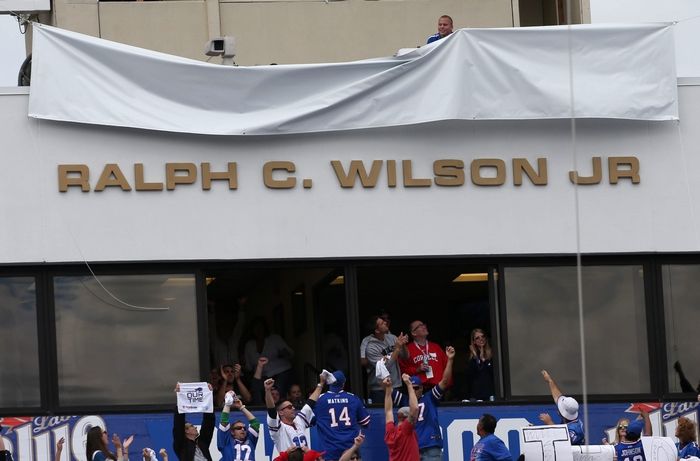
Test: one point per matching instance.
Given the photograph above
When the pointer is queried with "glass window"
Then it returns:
(19, 349)
(543, 329)
(128, 349)
(292, 318)
(449, 302)
(681, 313)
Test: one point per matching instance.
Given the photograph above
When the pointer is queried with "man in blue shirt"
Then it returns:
(444, 29)
(427, 424)
(340, 417)
(568, 409)
(489, 447)
(237, 442)
(631, 448)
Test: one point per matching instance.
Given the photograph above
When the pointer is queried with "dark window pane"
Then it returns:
(543, 329)
(681, 313)
(129, 350)
(451, 299)
(19, 350)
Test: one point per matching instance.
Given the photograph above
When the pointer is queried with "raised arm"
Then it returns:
(556, 393)
(447, 374)
(59, 448)
(269, 400)
(388, 404)
(242, 388)
(319, 388)
(647, 422)
(399, 347)
(347, 454)
(412, 399)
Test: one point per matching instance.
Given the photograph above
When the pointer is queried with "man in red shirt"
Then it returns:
(401, 438)
(425, 359)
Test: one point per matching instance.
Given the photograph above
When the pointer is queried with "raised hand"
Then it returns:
(450, 352)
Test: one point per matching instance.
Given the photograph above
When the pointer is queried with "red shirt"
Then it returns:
(402, 442)
(436, 359)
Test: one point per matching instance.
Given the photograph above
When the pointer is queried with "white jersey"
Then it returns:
(286, 435)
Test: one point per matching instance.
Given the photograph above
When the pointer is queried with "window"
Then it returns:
(295, 317)
(681, 314)
(543, 329)
(129, 350)
(450, 299)
(19, 349)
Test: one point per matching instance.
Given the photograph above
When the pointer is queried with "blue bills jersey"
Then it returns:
(339, 418)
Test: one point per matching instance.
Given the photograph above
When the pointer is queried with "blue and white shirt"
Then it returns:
(688, 450)
(427, 424)
(233, 449)
(630, 451)
(340, 417)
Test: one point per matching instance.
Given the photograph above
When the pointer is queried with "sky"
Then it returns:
(11, 50)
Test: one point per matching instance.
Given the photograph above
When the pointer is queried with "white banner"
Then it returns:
(195, 398)
(617, 71)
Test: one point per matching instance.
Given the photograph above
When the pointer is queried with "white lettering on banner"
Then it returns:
(593, 453)
(42, 446)
(454, 437)
(659, 449)
(80, 430)
(63, 432)
(672, 409)
(8, 444)
(24, 442)
(547, 443)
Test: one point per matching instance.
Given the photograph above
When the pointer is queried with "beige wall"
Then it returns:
(292, 31)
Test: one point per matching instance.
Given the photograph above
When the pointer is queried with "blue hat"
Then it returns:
(635, 428)
(339, 381)
(415, 381)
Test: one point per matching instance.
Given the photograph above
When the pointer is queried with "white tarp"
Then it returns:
(619, 71)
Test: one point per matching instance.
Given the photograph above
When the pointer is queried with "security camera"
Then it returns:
(221, 46)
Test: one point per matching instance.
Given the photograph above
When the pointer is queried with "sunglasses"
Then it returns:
(287, 407)
(417, 327)
(238, 428)
(622, 427)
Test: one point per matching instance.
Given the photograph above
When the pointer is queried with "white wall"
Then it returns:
(687, 31)
(253, 222)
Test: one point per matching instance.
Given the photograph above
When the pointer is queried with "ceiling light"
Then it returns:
(339, 280)
(475, 277)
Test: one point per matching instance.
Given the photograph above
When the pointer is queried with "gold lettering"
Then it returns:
(496, 163)
(112, 176)
(172, 178)
(588, 180)
(614, 164)
(67, 177)
(391, 173)
(355, 170)
(208, 176)
(522, 165)
(270, 167)
(409, 180)
(448, 172)
(141, 184)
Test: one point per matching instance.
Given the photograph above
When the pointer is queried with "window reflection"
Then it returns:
(681, 314)
(19, 357)
(543, 329)
(126, 349)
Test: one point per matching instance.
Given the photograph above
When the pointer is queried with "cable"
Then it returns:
(75, 243)
(579, 281)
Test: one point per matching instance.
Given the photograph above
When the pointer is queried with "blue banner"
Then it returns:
(34, 438)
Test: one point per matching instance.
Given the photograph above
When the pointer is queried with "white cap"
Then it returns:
(568, 408)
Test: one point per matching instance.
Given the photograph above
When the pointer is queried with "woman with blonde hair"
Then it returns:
(480, 367)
